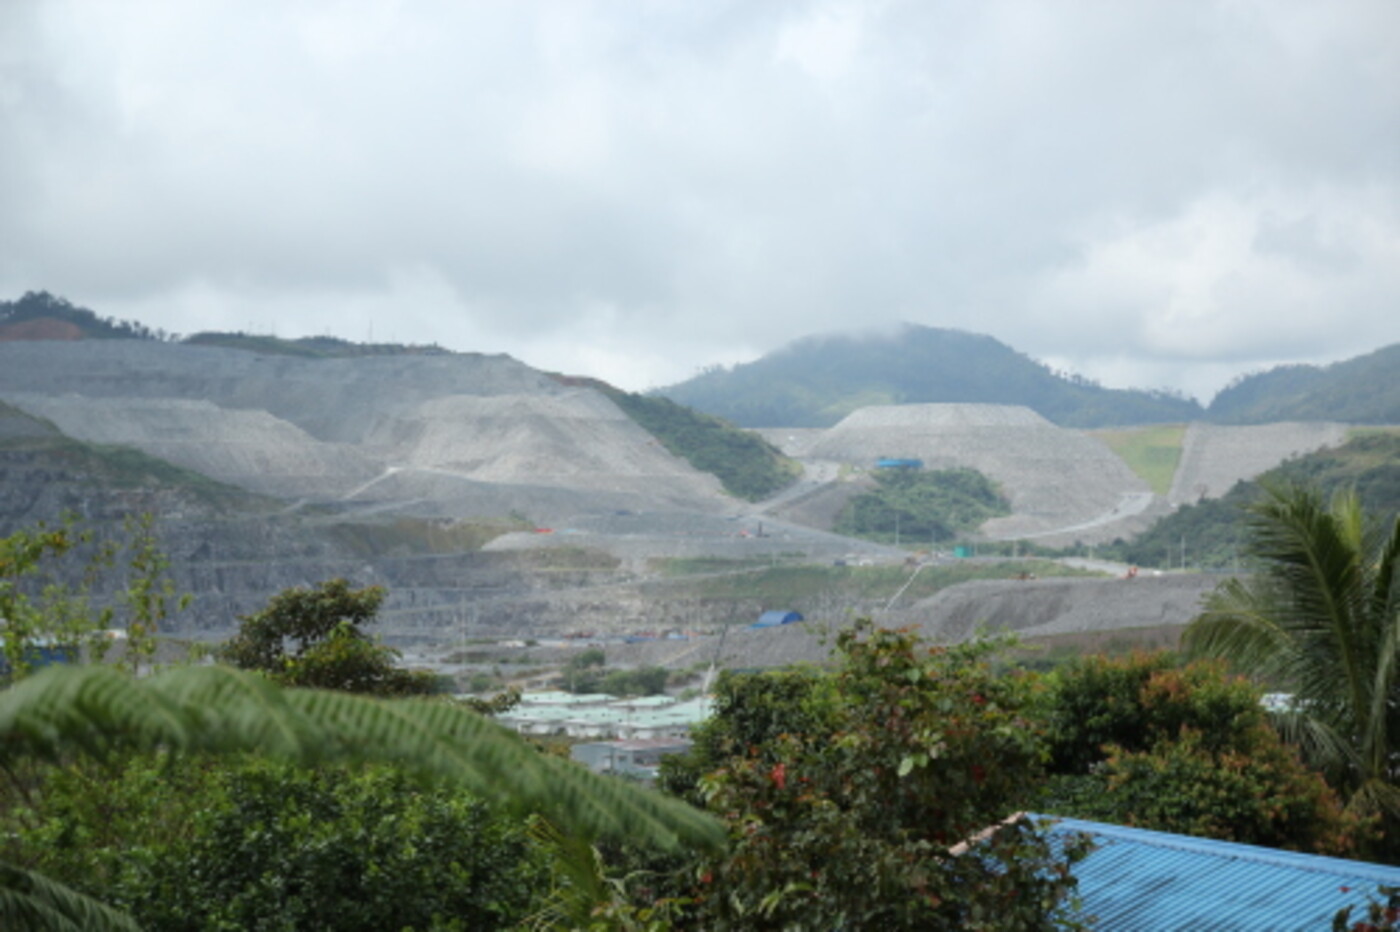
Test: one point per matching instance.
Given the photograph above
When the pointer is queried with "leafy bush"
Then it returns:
(643, 681)
(260, 845)
(847, 796)
(1137, 741)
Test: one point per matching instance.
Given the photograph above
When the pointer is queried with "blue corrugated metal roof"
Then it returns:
(771, 619)
(1136, 879)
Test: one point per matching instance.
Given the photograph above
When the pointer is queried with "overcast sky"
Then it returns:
(1156, 194)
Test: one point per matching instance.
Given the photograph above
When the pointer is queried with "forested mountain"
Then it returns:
(816, 381)
(1364, 390)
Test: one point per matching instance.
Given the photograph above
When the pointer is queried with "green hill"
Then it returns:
(1364, 390)
(1211, 532)
(913, 505)
(38, 315)
(748, 466)
(816, 381)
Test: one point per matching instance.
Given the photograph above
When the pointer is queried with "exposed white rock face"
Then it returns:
(1215, 457)
(451, 435)
(1055, 478)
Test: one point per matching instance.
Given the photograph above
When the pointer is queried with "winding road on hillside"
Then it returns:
(1129, 505)
(816, 475)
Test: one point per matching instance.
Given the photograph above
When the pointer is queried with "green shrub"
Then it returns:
(922, 506)
(259, 845)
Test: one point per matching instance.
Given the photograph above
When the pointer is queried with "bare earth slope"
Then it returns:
(1030, 608)
(447, 435)
(1055, 478)
(1214, 457)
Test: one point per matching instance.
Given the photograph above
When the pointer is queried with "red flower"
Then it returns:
(779, 776)
(978, 774)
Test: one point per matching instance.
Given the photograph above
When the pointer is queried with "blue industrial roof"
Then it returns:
(772, 619)
(1136, 879)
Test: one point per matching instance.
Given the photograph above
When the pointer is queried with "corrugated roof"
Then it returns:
(1143, 880)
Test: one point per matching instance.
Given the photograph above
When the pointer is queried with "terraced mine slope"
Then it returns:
(1034, 608)
(454, 436)
(1214, 458)
(1058, 481)
(379, 468)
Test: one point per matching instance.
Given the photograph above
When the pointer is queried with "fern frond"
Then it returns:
(97, 710)
(32, 901)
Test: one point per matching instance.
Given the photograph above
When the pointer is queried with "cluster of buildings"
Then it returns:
(629, 736)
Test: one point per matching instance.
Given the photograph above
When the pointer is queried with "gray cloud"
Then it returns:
(1150, 193)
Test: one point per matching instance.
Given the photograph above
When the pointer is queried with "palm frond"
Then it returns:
(217, 709)
(32, 901)
(579, 883)
(1319, 742)
(1321, 617)
(1240, 624)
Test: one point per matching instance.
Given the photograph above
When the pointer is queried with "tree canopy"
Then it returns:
(315, 637)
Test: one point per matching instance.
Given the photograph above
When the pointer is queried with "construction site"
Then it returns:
(598, 521)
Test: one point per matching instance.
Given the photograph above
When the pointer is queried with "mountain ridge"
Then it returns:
(817, 380)
(1365, 389)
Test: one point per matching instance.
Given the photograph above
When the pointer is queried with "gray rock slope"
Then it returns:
(1055, 478)
(1215, 457)
(1030, 608)
(453, 436)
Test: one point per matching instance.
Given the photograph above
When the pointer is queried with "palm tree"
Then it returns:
(1321, 618)
(98, 711)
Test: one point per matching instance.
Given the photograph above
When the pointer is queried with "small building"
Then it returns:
(1135, 880)
(773, 619)
(632, 757)
(43, 652)
(899, 462)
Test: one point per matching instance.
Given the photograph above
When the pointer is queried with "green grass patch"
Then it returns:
(1354, 433)
(1152, 452)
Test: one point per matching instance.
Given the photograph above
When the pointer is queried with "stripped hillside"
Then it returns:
(1053, 478)
(452, 436)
